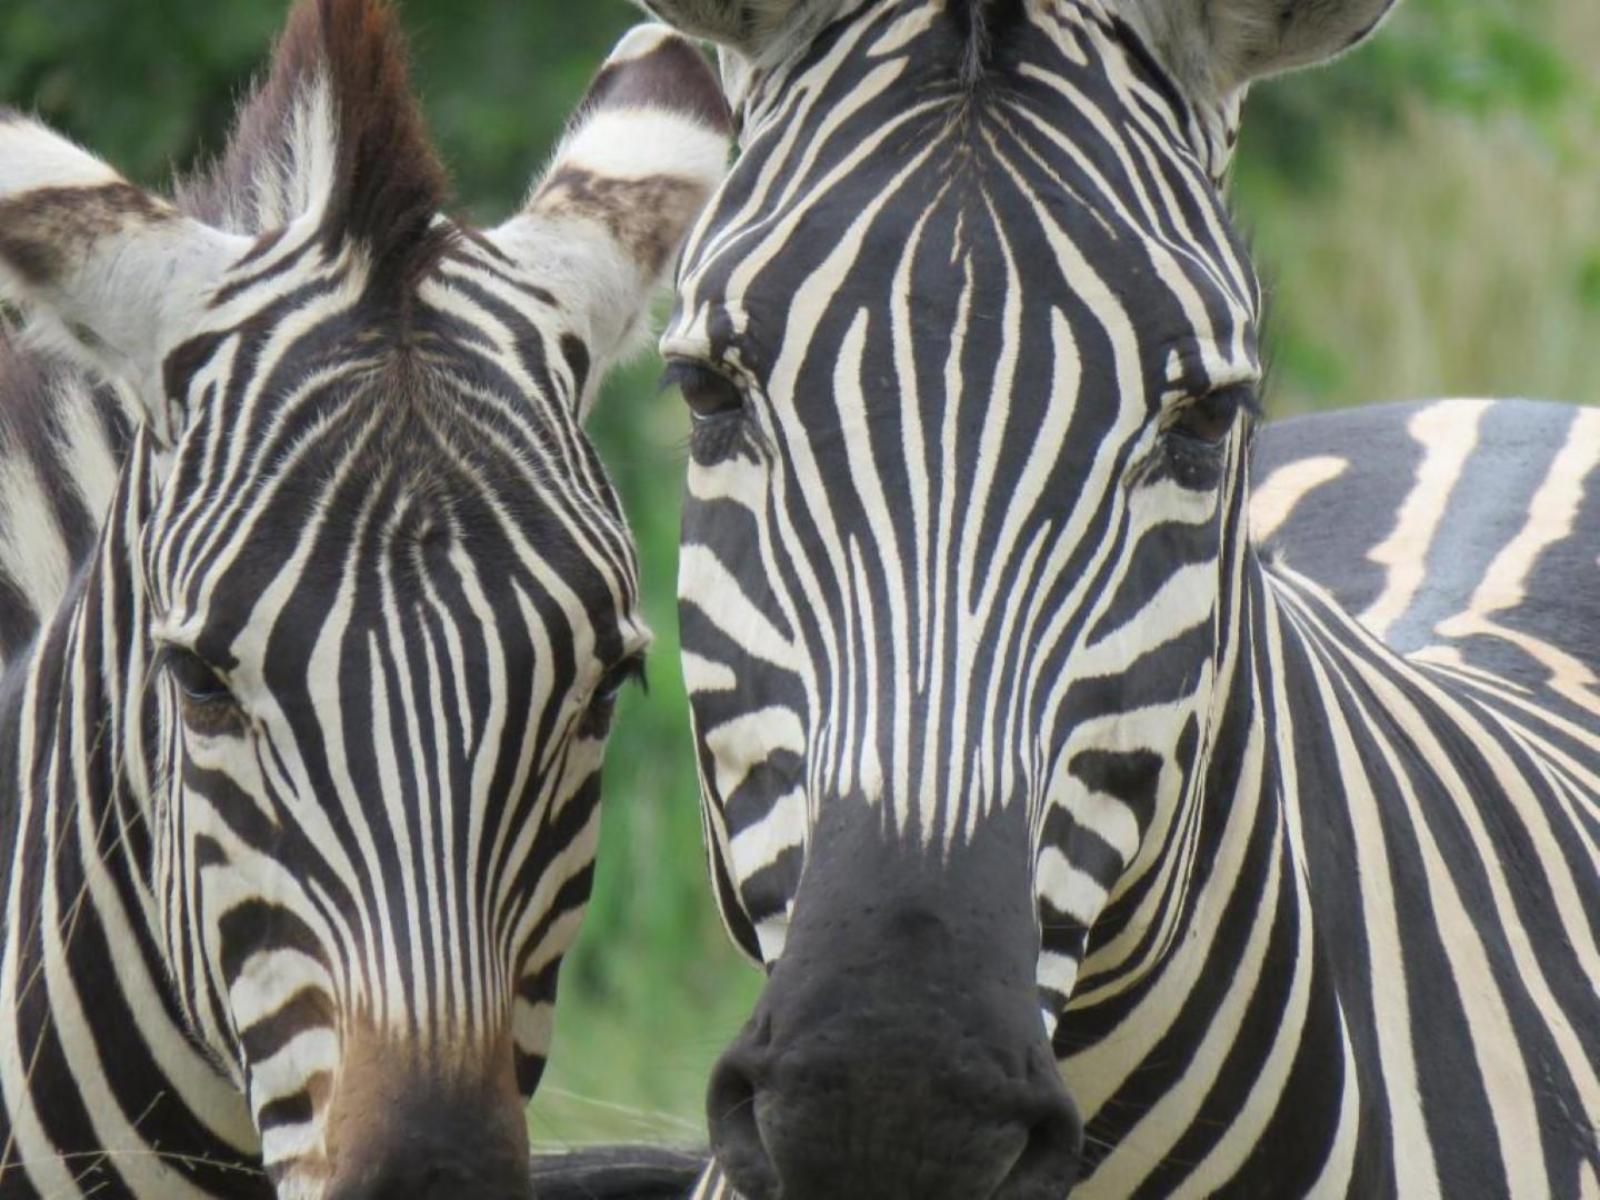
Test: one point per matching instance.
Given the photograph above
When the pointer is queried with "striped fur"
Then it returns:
(312, 616)
(971, 609)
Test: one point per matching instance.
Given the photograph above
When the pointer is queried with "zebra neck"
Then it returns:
(1336, 968)
(94, 1054)
(1233, 1001)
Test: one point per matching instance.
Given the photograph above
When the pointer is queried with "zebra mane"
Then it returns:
(334, 130)
(980, 23)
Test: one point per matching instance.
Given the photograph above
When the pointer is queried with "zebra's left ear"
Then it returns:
(746, 26)
(117, 273)
(1219, 46)
(642, 155)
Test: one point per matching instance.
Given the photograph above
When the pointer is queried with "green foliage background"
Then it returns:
(1426, 212)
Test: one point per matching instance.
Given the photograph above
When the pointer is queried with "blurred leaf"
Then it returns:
(1589, 280)
(1484, 59)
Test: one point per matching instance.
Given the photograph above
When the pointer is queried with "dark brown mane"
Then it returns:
(387, 183)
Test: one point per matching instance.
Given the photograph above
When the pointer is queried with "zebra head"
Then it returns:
(971, 350)
(380, 596)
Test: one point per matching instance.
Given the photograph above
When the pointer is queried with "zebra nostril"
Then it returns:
(1050, 1157)
(410, 1135)
(736, 1140)
(1048, 1164)
(403, 1179)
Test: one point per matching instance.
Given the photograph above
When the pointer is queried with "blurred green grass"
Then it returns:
(653, 989)
(1426, 215)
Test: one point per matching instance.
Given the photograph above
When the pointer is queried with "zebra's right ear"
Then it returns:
(1216, 47)
(743, 25)
(642, 155)
(118, 274)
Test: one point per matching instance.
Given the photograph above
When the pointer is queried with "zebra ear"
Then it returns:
(640, 158)
(112, 273)
(743, 25)
(1219, 46)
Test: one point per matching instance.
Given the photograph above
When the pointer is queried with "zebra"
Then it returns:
(315, 603)
(1087, 844)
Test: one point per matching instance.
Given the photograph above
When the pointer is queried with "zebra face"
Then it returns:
(385, 665)
(971, 352)
(381, 596)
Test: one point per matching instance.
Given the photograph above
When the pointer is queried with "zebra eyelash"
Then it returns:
(595, 723)
(629, 670)
(197, 680)
(708, 392)
(1207, 421)
(721, 427)
(208, 706)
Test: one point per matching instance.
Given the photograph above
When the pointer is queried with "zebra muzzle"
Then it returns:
(426, 1126)
(897, 1052)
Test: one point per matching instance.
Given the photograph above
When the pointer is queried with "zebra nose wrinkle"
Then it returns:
(405, 1178)
(435, 1147)
(898, 1051)
(736, 1140)
(823, 1125)
(1048, 1164)
(890, 1113)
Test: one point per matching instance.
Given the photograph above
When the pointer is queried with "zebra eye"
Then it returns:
(209, 706)
(198, 682)
(707, 392)
(629, 670)
(596, 721)
(1208, 420)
